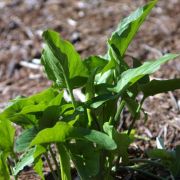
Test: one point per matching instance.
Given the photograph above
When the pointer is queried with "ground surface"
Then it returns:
(87, 24)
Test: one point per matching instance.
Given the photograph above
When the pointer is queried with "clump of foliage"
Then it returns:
(85, 134)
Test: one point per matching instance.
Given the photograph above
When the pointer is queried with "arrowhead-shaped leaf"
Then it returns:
(128, 28)
(20, 111)
(61, 62)
(63, 131)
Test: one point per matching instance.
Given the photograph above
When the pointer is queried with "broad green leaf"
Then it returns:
(20, 109)
(42, 100)
(64, 162)
(28, 158)
(104, 113)
(101, 89)
(122, 140)
(131, 76)
(99, 100)
(145, 79)
(95, 62)
(12, 113)
(23, 141)
(38, 167)
(86, 159)
(24, 120)
(4, 172)
(159, 86)
(7, 132)
(128, 78)
(23, 110)
(106, 77)
(65, 112)
(116, 62)
(14, 109)
(61, 62)
(128, 28)
(123, 35)
(63, 131)
(57, 99)
(45, 96)
(110, 65)
(50, 116)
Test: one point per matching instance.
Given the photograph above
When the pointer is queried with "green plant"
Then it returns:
(84, 133)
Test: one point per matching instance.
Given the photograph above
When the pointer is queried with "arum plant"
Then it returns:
(84, 135)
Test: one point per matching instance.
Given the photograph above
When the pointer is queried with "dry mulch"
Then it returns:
(87, 24)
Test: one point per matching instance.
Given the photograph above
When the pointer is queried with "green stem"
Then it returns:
(135, 117)
(69, 90)
(55, 161)
(146, 161)
(119, 110)
(90, 119)
(50, 166)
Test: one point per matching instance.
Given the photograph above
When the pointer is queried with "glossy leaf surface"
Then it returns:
(61, 62)
(131, 76)
(128, 28)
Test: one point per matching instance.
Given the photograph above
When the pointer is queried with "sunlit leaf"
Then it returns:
(61, 62)
(7, 132)
(4, 171)
(21, 110)
(63, 131)
(131, 76)
(64, 162)
(128, 28)
(38, 167)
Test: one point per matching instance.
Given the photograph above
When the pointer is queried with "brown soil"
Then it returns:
(87, 24)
